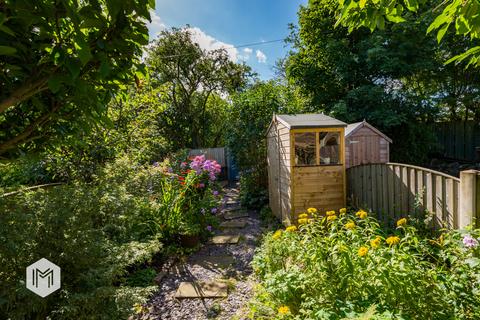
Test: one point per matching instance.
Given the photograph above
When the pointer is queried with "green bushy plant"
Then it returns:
(253, 192)
(96, 232)
(337, 266)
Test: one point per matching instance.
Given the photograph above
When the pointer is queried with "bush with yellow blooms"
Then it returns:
(338, 266)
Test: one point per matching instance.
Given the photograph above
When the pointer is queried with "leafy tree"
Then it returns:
(462, 16)
(249, 116)
(393, 78)
(194, 80)
(61, 62)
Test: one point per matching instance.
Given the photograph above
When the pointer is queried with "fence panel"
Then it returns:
(394, 190)
(217, 154)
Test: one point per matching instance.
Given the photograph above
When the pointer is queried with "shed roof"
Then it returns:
(312, 120)
(353, 127)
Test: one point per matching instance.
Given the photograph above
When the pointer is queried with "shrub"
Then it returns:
(253, 192)
(336, 266)
(96, 232)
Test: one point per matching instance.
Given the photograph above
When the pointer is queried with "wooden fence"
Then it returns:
(395, 190)
(459, 139)
(217, 154)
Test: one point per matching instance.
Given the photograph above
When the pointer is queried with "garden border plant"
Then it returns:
(337, 265)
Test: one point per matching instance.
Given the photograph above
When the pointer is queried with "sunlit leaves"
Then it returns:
(70, 54)
(463, 15)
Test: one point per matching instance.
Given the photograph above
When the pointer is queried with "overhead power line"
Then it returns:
(227, 47)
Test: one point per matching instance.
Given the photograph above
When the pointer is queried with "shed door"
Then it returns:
(273, 175)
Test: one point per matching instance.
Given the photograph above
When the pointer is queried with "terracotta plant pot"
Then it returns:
(189, 241)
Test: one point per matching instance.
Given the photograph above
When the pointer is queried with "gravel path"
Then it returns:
(164, 305)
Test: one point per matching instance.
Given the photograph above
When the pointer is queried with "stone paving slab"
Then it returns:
(232, 208)
(218, 261)
(207, 289)
(233, 224)
(235, 214)
(225, 239)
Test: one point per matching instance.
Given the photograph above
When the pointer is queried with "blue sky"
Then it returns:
(227, 23)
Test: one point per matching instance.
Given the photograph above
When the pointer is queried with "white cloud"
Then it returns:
(261, 57)
(204, 40)
(247, 52)
(209, 43)
(156, 26)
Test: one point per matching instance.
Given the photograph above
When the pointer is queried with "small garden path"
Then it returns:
(225, 264)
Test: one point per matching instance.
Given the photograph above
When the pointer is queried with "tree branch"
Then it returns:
(23, 93)
(28, 131)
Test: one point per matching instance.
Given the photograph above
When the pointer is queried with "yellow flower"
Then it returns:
(302, 216)
(401, 222)
(362, 251)
(312, 210)
(291, 229)
(302, 221)
(392, 240)
(277, 234)
(331, 218)
(330, 213)
(361, 214)
(350, 225)
(138, 308)
(343, 211)
(283, 310)
(375, 243)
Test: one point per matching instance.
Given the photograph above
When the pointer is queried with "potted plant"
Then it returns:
(189, 234)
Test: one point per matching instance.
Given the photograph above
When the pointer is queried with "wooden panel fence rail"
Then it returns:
(395, 190)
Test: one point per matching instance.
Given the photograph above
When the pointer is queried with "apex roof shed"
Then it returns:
(365, 144)
(306, 164)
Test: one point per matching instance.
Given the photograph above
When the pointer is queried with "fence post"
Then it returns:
(469, 197)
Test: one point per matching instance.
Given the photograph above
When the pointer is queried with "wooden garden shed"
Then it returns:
(365, 144)
(306, 164)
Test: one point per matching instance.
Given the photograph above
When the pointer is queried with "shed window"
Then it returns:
(329, 147)
(305, 149)
(317, 148)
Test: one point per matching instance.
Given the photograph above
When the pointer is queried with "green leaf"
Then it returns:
(473, 262)
(442, 32)
(84, 55)
(7, 30)
(463, 56)
(54, 83)
(462, 25)
(380, 22)
(362, 3)
(395, 19)
(412, 5)
(74, 68)
(440, 20)
(7, 51)
(104, 69)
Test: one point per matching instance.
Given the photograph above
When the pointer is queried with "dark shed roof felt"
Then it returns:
(314, 120)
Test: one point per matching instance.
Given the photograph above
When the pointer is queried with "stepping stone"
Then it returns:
(233, 224)
(225, 239)
(207, 289)
(219, 261)
(235, 214)
(234, 208)
(231, 202)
